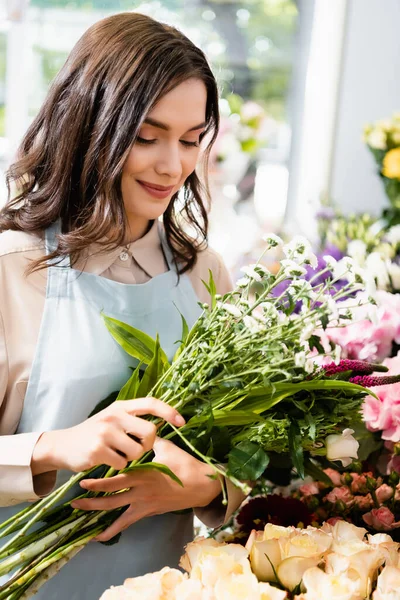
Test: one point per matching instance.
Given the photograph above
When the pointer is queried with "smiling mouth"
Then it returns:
(153, 186)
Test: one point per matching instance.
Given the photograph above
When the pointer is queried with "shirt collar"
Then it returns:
(146, 251)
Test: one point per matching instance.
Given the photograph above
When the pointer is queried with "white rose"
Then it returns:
(154, 585)
(213, 563)
(388, 584)
(191, 589)
(269, 592)
(359, 559)
(264, 554)
(342, 531)
(119, 593)
(237, 587)
(387, 546)
(320, 585)
(342, 447)
(291, 570)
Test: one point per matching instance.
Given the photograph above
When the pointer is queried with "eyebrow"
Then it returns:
(160, 125)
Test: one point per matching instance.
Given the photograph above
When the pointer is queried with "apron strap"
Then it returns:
(51, 244)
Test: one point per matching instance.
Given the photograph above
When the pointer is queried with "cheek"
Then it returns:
(138, 160)
(189, 162)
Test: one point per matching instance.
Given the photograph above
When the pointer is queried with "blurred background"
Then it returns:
(299, 81)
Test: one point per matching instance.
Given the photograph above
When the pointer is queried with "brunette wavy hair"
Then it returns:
(69, 164)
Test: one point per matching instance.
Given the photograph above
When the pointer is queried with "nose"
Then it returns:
(169, 162)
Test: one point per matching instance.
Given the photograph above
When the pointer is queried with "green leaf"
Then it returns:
(130, 390)
(212, 289)
(311, 469)
(324, 321)
(152, 373)
(154, 466)
(296, 448)
(185, 333)
(315, 342)
(225, 418)
(135, 342)
(104, 403)
(247, 461)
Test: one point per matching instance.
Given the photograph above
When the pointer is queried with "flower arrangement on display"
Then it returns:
(339, 562)
(243, 130)
(247, 380)
(383, 140)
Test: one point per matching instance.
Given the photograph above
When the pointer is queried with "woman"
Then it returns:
(116, 139)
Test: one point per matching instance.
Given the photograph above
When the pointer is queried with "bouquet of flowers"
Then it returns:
(337, 562)
(244, 381)
(383, 139)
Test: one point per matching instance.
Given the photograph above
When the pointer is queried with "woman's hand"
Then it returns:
(151, 492)
(104, 438)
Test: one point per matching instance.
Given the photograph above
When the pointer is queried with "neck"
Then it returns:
(137, 227)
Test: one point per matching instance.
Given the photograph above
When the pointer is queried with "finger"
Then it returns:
(104, 503)
(111, 458)
(141, 429)
(109, 484)
(122, 443)
(129, 517)
(157, 408)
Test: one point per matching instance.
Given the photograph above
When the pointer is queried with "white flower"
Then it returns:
(393, 235)
(342, 447)
(338, 353)
(394, 273)
(252, 324)
(377, 139)
(357, 249)
(272, 239)
(292, 269)
(299, 249)
(333, 309)
(388, 584)
(242, 282)
(376, 266)
(330, 261)
(251, 273)
(387, 546)
(230, 308)
(300, 359)
(309, 367)
(358, 560)
(323, 585)
(263, 544)
(269, 592)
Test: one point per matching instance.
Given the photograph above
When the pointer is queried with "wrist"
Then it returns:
(212, 488)
(43, 456)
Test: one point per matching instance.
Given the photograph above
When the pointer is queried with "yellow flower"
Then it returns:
(391, 164)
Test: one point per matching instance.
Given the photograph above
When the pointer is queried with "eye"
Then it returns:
(190, 144)
(143, 141)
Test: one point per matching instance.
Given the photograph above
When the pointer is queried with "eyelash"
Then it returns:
(145, 142)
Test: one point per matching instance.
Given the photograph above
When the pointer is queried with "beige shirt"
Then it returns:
(21, 307)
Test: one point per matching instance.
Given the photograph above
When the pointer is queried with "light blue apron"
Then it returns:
(77, 364)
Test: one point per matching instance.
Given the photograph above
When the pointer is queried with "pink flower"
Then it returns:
(363, 503)
(364, 340)
(384, 414)
(383, 493)
(309, 489)
(340, 494)
(359, 483)
(381, 519)
(333, 520)
(333, 475)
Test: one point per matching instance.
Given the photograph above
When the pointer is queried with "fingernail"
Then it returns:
(74, 505)
(83, 484)
(179, 420)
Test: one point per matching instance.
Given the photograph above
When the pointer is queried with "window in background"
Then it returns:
(250, 45)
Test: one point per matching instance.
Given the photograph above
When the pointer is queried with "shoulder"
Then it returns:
(19, 243)
(209, 260)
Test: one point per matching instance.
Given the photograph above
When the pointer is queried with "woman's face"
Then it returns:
(165, 152)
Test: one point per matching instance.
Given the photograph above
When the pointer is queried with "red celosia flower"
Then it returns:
(275, 509)
(357, 366)
(368, 381)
